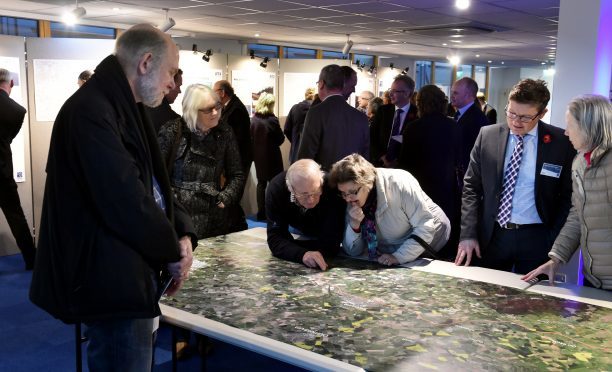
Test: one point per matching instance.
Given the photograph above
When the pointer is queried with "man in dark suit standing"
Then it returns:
(468, 116)
(487, 109)
(295, 123)
(163, 113)
(518, 187)
(333, 129)
(235, 114)
(389, 122)
(10, 124)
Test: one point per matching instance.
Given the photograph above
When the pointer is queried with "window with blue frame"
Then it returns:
(363, 59)
(264, 50)
(60, 29)
(328, 54)
(423, 74)
(290, 52)
(18, 26)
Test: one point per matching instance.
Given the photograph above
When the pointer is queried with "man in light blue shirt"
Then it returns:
(517, 188)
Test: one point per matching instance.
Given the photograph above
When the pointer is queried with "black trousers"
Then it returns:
(519, 250)
(11, 207)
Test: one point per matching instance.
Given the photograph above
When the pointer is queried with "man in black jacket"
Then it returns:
(295, 123)
(10, 124)
(109, 221)
(468, 116)
(235, 114)
(301, 198)
(163, 113)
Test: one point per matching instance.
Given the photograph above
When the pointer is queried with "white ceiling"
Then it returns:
(524, 31)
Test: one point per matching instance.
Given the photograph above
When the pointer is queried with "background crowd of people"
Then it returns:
(131, 185)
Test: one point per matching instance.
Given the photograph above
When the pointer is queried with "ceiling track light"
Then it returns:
(205, 55)
(372, 70)
(252, 54)
(168, 24)
(73, 16)
(405, 71)
(264, 63)
(348, 45)
(391, 65)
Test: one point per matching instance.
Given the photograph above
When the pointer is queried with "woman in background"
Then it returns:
(430, 153)
(267, 137)
(588, 225)
(204, 163)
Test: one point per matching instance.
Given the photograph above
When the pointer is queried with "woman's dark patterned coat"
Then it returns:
(196, 176)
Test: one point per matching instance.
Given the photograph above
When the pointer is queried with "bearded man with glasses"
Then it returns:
(301, 198)
(517, 188)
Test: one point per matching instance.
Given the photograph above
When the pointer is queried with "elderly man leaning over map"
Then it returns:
(301, 198)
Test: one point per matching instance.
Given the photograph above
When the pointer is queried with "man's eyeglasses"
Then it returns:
(522, 118)
(208, 111)
(393, 91)
(312, 195)
(350, 194)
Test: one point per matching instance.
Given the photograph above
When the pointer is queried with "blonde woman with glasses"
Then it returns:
(203, 163)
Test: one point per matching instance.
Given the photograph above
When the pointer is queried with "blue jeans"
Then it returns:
(120, 345)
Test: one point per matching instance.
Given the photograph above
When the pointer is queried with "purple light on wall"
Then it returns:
(580, 274)
(603, 57)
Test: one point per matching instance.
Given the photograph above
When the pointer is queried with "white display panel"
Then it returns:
(295, 85)
(18, 144)
(248, 84)
(55, 80)
(195, 71)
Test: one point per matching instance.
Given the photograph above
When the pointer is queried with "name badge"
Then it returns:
(551, 170)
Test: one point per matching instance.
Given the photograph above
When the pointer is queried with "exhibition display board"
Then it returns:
(428, 316)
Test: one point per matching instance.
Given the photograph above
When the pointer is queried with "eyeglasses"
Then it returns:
(208, 111)
(393, 91)
(312, 195)
(351, 194)
(522, 118)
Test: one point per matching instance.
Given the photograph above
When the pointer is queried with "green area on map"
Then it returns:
(392, 318)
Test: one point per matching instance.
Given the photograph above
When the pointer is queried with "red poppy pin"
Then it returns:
(546, 138)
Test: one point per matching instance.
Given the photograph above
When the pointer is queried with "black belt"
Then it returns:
(516, 226)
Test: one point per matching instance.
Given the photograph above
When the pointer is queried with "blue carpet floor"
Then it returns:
(31, 340)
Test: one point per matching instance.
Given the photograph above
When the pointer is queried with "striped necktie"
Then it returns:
(511, 175)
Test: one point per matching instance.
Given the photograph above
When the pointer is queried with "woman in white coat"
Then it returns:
(389, 218)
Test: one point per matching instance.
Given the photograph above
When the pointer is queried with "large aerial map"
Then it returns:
(392, 318)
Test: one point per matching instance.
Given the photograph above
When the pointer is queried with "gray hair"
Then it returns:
(192, 101)
(374, 104)
(137, 41)
(5, 76)
(332, 76)
(594, 116)
(407, 80)
(303, 169)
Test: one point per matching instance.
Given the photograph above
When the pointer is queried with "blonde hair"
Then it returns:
(353, 168)
(192, 102)
(265, 104)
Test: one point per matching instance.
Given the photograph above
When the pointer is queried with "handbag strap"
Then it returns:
(426, 246)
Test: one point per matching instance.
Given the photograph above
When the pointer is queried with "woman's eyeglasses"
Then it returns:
(350, 194)
(208, 111)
